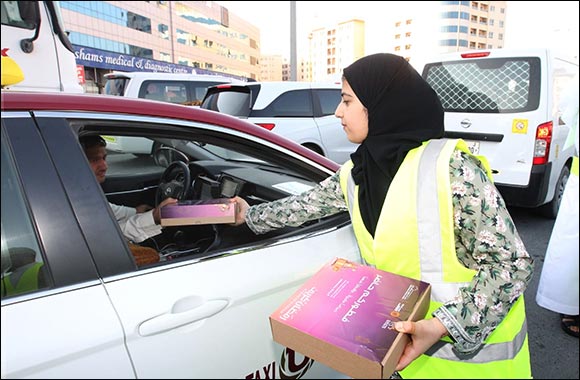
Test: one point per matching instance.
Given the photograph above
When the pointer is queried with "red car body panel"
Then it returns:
(36, 101)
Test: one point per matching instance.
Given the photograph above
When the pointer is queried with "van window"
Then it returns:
(20, 14)
(116, 86)
(490, 85)
(189, 93)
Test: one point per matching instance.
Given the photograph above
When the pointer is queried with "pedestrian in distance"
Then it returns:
(424, 207)
(558, 286)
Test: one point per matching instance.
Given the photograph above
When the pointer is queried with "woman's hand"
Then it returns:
(423, 334)
(241, 208)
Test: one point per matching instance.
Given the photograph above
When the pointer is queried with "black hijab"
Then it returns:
(403, 112)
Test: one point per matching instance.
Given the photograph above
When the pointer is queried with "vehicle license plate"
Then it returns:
(473, 146)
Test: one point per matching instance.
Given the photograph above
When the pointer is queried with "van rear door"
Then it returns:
(494, 103)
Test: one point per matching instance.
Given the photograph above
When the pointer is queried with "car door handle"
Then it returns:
(175, 319)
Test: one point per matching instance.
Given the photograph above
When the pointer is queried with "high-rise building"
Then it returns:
(414, 30)
(168, 36)
(447, 26)
(332, 48)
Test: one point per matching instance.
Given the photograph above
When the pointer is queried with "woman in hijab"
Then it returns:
(402, 183)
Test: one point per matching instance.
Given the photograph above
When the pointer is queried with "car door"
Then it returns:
(208, 318)
(64, 325)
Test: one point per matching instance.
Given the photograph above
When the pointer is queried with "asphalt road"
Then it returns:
(554, 354)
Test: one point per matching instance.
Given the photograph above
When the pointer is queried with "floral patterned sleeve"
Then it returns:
(487, 241)
(322, 200)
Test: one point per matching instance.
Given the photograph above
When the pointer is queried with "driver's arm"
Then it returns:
(138, 227)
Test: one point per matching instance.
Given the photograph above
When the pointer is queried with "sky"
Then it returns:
(528, 23)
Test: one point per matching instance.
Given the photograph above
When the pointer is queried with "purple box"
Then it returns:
(209, 211)
(343, 317)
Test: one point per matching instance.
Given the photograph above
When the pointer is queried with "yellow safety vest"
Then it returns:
(415, 238)
(24, 280)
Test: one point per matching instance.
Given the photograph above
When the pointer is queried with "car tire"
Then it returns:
(550, 209)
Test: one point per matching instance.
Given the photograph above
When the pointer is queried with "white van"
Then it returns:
(505, 104)
(186, 89)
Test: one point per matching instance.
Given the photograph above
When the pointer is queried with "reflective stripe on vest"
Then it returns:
(419, 201)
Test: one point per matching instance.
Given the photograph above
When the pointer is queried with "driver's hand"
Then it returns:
(157, 210)
(241, 208)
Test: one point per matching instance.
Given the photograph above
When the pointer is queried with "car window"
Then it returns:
(329, 100)
(23, 269)
(21, 14)
(116, 86)
(172, 92)
(295, 103)
(487, 85)
(233, 101)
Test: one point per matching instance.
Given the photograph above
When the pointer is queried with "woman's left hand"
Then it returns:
(423, 334)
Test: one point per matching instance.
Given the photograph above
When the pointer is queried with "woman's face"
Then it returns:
(353, 115)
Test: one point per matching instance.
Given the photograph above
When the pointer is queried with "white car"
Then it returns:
(79, 302)
(300, 111)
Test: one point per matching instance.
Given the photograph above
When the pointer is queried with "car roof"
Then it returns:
(38, 101)
(271, 90)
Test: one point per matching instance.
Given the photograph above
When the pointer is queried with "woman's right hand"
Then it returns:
(241, 208)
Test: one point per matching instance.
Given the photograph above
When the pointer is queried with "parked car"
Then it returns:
(300, 111)
(85, 308)
(186, 89)
(506, 104)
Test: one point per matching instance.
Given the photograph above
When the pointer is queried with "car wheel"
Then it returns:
(550, 209)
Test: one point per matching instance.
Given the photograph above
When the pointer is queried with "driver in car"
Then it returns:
(137, 223)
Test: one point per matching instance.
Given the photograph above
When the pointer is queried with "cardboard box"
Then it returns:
(343, 317)
(209, 211)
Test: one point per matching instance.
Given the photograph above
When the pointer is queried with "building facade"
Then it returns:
(334, 47)
(448, 26)
(168, 36)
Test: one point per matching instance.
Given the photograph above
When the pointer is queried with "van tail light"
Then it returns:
(479, 54)
(268, 126)
(542, 143)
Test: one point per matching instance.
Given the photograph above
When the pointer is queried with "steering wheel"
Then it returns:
(175, 182)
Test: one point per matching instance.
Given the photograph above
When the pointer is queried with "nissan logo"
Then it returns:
(465, 123)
